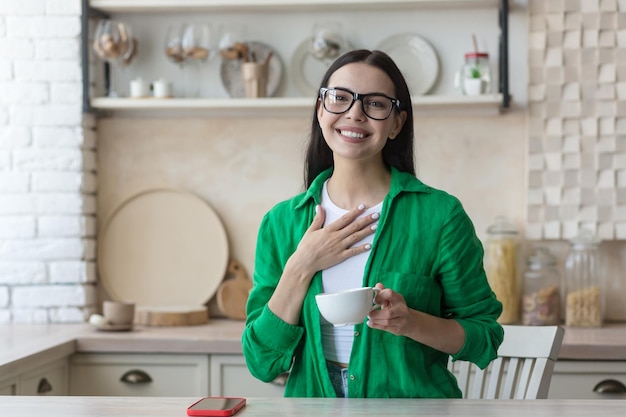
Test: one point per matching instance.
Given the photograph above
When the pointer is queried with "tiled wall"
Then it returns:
(47, 166)
(577, 113)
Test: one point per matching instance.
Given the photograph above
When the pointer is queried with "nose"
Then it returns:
(356, 111)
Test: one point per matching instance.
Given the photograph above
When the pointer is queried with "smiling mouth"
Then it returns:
(351, 134)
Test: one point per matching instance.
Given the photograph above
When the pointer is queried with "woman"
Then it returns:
(365, 220)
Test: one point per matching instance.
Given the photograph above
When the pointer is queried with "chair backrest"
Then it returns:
(522, 370)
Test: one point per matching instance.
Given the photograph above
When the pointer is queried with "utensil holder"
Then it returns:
(255, 79)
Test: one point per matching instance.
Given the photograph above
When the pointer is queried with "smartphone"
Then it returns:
(216, 406)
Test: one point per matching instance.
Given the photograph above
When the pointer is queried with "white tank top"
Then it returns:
(337, 341)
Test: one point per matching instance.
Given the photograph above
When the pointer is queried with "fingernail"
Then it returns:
(368, 246)
(361, 206)
(373, 227)
(375, 215)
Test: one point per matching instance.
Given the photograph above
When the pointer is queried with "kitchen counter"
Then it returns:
(32, 343)
(300, 407)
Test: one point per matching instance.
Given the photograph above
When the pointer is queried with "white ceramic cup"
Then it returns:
(118, 312)
(162, 88)
(139, 88)
(348, 307)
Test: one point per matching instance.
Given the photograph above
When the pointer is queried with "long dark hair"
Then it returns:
(397, 153)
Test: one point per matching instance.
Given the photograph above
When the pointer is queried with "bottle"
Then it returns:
(500, 262)
(584, 292)
(541, 304)
(475, 75)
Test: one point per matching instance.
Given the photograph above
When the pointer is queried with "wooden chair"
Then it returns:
(522, 370)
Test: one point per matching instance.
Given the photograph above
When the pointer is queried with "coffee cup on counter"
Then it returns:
(139, 88)
(162, 88)
(118, 313)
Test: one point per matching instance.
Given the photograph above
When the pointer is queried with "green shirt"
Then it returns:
(426, 249)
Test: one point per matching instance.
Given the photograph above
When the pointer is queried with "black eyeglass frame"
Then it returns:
(395, 103)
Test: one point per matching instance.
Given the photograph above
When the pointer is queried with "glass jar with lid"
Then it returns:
(501, 260)
(584, 290)
(541, 304)
(475, 75)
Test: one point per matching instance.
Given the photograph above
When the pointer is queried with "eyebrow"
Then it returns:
(363, 94)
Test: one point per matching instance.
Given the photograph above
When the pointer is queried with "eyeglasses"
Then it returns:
(376, 106)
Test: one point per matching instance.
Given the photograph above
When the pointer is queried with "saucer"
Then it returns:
(114, 327)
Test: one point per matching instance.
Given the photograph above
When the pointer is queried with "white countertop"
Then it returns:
(30, 344)
(16, 406)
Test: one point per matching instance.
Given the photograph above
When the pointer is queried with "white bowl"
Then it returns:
(348, 307)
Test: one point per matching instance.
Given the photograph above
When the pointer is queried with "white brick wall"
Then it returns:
(47, 166)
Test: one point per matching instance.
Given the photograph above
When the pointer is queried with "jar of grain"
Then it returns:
(541, 304)
(501, 258)
(584, 291)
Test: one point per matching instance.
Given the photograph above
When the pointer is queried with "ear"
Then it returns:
(398, 123)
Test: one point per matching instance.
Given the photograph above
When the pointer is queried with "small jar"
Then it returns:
(584, 291)
(541, 304)
(475, 75)
(501, 258)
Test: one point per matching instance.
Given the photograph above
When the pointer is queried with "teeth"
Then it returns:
(351, 134)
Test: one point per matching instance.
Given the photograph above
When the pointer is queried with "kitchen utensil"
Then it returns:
(231, 70)
(162, 248)
(233, 293)
(172, 316)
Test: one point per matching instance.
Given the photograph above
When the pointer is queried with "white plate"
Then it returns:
(232, 80)
(416, 58)
(306, 70)
(162, 248)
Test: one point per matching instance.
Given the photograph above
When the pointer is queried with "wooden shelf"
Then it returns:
(183, 6)
(284, 106)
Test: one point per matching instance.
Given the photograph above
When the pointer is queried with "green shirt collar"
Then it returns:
(400, 182)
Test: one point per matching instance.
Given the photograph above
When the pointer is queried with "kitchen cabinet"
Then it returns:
(230, 376)
(288, 10)
(588, 380)
(8, 386)
(48, 379)
(139, 374)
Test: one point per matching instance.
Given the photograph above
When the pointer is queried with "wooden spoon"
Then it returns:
(232, 294)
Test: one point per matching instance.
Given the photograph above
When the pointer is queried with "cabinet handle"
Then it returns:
(136, 377)
(609, 386)
(281, 380)
(44, 386)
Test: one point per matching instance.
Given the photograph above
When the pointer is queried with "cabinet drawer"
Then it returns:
(8, 387)
(168, 375)
(230, 376)
(577, 379)
(50, 379)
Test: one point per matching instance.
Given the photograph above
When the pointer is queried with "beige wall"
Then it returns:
(243, 167)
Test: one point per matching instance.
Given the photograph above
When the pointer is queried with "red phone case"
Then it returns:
(216, 412)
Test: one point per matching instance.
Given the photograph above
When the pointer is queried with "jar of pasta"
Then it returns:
(584, 292)
(541, 304)
(500, 261)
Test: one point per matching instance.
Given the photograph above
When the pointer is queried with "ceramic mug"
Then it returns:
(348, 307)
(162, 88)
(139, 88)
(118, 312)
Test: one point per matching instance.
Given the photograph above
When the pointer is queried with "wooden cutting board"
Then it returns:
(171, 316)
(232, 295)
(163, 247)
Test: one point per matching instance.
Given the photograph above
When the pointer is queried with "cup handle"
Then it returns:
(375, 306)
